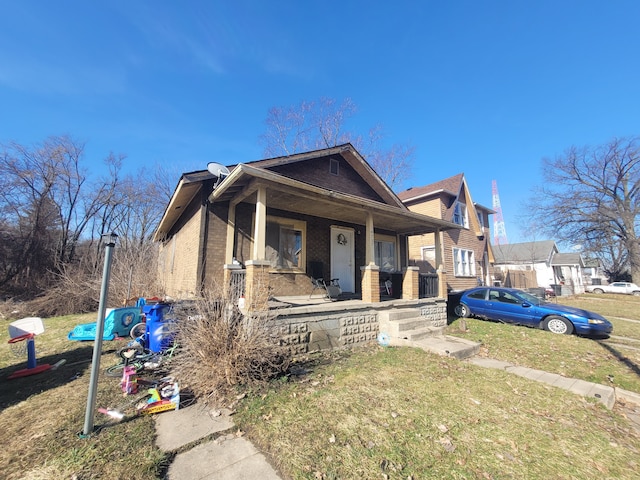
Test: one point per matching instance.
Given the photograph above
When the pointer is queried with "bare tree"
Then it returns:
(322, 124)
(591, 196)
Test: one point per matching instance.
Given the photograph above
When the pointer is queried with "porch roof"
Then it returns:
(292, 195)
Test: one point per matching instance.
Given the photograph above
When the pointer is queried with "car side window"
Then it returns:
(508, 298)
(478, 294)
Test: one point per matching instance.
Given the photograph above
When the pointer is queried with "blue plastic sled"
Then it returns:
(118, 323)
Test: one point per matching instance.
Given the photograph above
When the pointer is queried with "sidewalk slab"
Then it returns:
(489, 363)
(525, 372)
(628, 396)
(177, 428)
(564, 382)
(234, 459)
(603, 394)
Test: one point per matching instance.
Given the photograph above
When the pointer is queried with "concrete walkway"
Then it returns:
(207, 446)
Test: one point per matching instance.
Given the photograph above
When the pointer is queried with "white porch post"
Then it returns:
(231, 228)
(438, 248)
(370, 241)
(260, 233)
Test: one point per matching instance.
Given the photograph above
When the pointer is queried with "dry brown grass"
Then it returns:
(220, 350)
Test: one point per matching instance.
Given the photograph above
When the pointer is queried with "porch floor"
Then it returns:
(320, 303)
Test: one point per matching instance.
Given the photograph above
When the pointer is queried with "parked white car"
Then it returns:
(615, 287)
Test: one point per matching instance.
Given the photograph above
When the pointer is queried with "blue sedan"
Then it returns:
(510, 305)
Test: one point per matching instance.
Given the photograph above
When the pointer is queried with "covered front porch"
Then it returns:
(277, 228)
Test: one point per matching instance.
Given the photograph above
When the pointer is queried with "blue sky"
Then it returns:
(487, 88)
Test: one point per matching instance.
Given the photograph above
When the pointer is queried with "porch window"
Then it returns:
(460, 215)
(285, 245)
(385, 253)
(463, 263)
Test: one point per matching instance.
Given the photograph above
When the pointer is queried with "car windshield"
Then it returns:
(532, 299)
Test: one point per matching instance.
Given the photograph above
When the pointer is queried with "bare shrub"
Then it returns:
(222, 349)
(77, 286)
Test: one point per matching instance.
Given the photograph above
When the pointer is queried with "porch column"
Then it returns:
(442, 282)
(411, 283)
(231, 230)
(260, 231)
(369, 253)
(228, 252)
(370, 283)
(257, 276)
(437, 245)
(257, 286)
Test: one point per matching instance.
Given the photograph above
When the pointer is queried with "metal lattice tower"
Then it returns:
(499, 231)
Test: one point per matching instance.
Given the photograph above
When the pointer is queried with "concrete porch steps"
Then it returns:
(407, 327)
(407, 324)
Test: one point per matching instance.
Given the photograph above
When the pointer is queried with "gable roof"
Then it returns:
(297, 196)
(449, 186)
(567, 259)
(526, 252)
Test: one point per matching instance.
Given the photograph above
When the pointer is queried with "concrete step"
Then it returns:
(401, 313)
(445, 345)
(420, 333)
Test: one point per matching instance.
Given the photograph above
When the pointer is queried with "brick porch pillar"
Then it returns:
(257, 286)
(411, 284)
(442, 282)
(370, 283)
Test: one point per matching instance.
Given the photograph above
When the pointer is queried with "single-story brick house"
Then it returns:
(276, 217)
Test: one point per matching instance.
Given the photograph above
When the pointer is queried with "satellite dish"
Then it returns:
(217, 169)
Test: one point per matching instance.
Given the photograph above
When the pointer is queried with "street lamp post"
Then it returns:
(109, 240)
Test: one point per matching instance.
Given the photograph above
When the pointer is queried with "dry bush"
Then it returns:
(77, 287)
(222, 349)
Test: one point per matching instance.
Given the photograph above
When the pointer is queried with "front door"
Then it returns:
(342, 257)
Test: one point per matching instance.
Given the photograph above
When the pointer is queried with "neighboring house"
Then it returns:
(539, 264)
(280, 220)
(465, 254)
(593, 272)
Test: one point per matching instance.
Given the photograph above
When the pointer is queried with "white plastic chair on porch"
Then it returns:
(332, 289)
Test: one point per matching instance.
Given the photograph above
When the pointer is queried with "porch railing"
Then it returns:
(428, 285)
(236, 288)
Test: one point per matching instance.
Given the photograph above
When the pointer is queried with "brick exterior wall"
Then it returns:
(179, 256)
(463, 238)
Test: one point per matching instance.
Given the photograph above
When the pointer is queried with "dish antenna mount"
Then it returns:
(219, 171)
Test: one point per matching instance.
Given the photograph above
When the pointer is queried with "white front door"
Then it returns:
(343, 257)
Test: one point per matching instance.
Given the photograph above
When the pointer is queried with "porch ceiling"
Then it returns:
(284, 193)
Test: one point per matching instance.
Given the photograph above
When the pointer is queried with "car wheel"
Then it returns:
(462, 310)
(598, 290)
(558, 325)
(636, 293)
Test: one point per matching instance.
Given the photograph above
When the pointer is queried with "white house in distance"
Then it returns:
(538, 264)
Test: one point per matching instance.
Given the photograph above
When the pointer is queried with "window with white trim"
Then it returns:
(429, 254)
(385, 253)
(460, 215)
(464, 264)
(285, 243)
